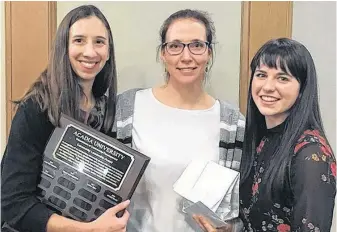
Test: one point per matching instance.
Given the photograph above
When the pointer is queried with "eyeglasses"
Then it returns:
(176, 48)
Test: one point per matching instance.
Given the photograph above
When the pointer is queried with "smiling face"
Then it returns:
(274, 93)
(186, 68)
(88, 47)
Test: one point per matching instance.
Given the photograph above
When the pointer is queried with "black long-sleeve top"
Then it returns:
(307, 202)
(22, 163)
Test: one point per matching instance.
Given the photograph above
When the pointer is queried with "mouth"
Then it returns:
(88, 64)
(269, 99)
(187, 69)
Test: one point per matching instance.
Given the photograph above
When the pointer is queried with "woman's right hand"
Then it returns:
(206, 225)
(109, 222)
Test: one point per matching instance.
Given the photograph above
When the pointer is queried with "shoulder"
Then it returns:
(30, 122)
(313, 138)
(313, 157)
(125, 106)
(126, 99)
(29, 109)
(128, 94)
(228, 106)
(312, 150)
(230, 113)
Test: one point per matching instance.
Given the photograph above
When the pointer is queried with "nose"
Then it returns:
(89, 50)
(269, 85)
(186, 55)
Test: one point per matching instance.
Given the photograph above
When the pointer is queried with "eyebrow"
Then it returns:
(82, 36)
(101, 37)
(194, 40)
(279, 73)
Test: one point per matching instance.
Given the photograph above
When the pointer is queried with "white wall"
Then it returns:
(2, 81)
(314, 25)
(135, 27)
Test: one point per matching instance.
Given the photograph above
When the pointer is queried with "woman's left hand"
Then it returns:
(206, 225)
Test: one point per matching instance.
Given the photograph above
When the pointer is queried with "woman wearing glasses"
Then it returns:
(176, 123)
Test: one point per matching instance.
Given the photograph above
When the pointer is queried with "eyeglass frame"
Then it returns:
(186, 45)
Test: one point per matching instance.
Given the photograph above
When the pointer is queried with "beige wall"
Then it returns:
(2, 81)
(314, 24)
(135, 27)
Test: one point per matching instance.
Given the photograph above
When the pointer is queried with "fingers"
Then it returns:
(197, 220)
(123, 221)
(206, 224)
(225, 228)
(120, 207)
(125, 217)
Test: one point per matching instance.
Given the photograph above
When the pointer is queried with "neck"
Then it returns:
(88, 100)
(275, 120)
(189, 96)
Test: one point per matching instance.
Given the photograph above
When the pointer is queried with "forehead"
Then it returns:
(274, 70)
(272, 61)
(91, 26)
(186, 30)
(271, 70)
(268, 68)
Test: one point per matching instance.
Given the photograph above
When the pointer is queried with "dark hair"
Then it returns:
(294, 59)
(57, 90)
(201, 16)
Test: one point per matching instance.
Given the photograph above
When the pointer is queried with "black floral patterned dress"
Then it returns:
(307, 202)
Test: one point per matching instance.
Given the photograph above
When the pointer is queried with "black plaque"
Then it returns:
(85, 172)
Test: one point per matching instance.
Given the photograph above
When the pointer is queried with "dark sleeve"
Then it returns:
(21, 166)
(313, 182)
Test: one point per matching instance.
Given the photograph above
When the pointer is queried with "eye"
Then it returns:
(283, 78)
(100, 42)
(260, 75)
(78, 40)
(174, 45)
(198, 45)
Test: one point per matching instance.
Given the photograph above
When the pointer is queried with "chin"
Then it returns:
(188, 80)
(87, 77)
(267, 112)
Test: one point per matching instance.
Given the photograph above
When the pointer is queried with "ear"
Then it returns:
(162, 56)
(210, 55)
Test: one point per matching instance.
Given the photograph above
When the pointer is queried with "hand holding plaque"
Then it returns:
(86, 172)
(202, 192)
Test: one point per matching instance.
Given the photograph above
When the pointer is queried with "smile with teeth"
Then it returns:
(269, 98)
(88, 64)
(186, 68)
